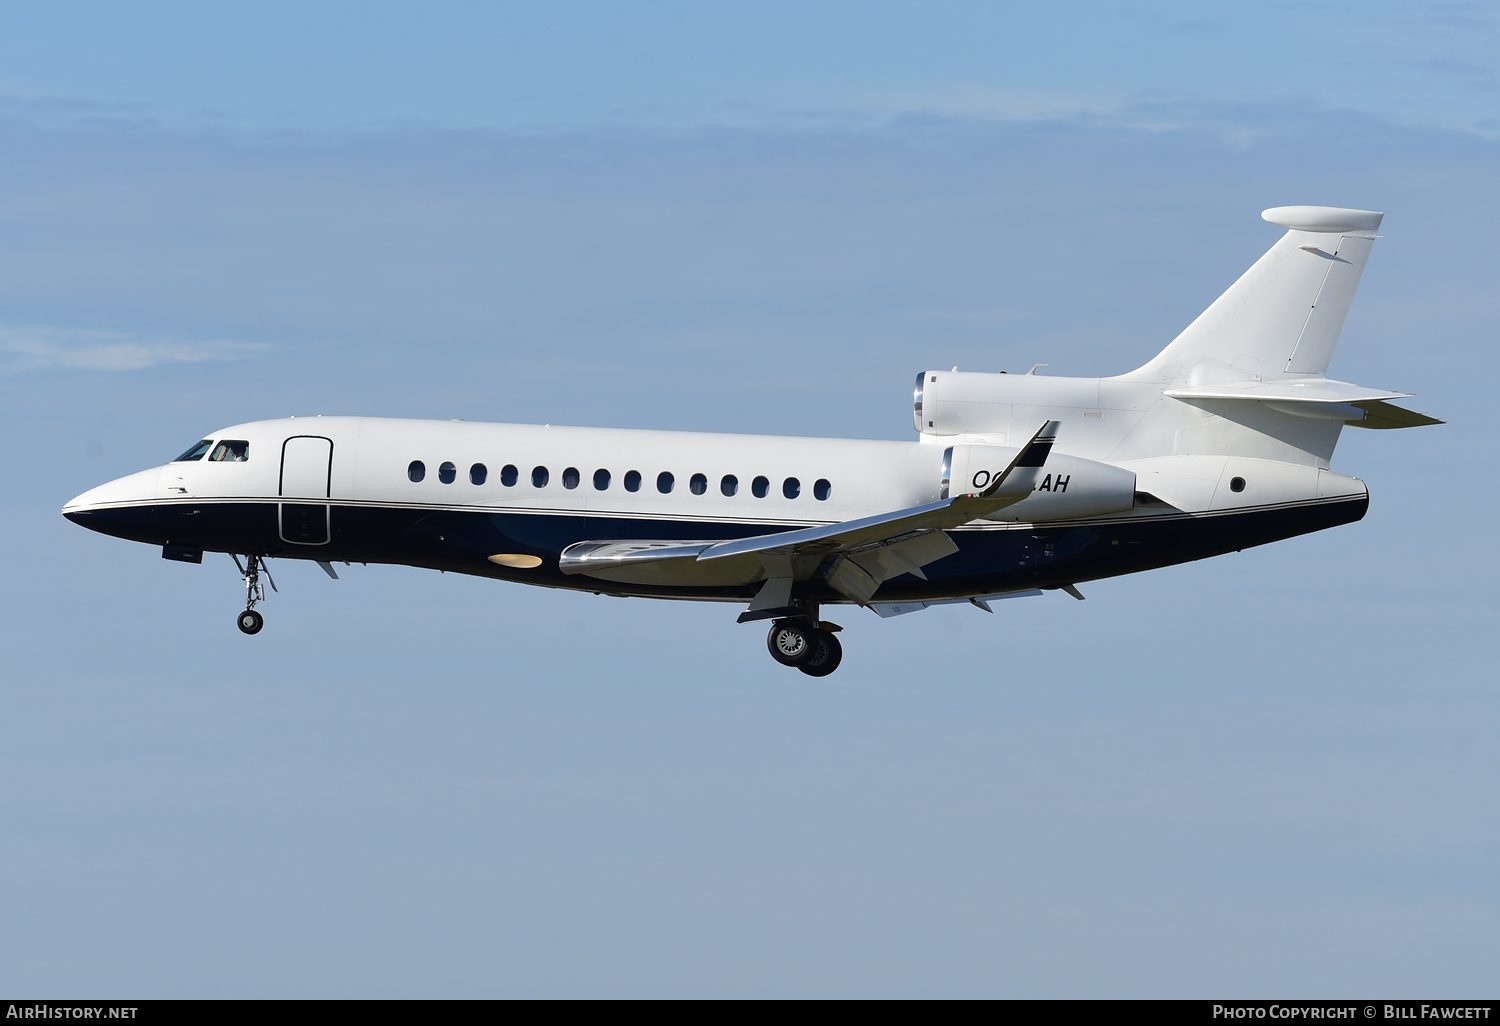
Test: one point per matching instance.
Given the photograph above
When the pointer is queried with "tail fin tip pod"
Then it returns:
(1282, 317)
(1323, 220)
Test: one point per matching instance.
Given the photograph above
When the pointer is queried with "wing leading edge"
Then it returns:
(855, 556)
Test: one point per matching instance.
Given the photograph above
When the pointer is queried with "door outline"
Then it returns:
(299, 506)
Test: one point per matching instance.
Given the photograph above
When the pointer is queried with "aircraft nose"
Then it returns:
(76, 506)
(99, 507)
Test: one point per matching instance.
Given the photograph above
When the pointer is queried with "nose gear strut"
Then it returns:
(250, 622)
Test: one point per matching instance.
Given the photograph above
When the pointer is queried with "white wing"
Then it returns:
(855, 556)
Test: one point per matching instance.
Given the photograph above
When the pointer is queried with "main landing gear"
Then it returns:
(250, 622)
(809, 645)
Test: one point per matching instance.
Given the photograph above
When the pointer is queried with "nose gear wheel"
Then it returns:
(249, 621)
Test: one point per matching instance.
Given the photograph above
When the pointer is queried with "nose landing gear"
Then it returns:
(807, 645)
(250, 622)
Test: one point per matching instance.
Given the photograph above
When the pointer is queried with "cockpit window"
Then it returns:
(196, 452)
(229, 451)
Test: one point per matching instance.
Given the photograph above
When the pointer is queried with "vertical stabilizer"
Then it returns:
(1283, 316)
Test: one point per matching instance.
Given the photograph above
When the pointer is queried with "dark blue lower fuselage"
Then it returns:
(990, 560)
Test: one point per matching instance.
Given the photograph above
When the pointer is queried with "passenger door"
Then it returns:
(306, 474)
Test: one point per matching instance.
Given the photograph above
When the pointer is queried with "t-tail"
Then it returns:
(1247, 378)
(1257, 358)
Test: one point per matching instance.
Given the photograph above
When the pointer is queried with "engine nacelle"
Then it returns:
(966, 402)
(1069, 488)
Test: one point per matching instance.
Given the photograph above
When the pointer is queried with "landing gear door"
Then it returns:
(306, 477)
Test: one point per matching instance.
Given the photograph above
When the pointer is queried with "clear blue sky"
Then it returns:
(1270, 774)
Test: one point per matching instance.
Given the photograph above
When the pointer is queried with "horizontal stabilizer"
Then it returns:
(1314, 398)
(1384, 415)
(1286, 390)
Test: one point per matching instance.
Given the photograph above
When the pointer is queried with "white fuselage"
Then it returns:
(453, 495)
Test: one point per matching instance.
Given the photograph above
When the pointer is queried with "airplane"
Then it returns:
(1017, 484)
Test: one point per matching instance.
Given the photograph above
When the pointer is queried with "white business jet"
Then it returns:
(1016, 484)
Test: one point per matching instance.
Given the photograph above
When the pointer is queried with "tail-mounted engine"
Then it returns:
(1068, 488)
(1009, 406)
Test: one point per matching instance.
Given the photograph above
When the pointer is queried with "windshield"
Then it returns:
(196, 452)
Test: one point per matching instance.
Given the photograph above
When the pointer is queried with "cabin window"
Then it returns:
(601, 480)
(698, 484)
(822, 489)
(196, 452)
(229, 451)
(664, 481)
(415, 471)
(478, 473)
(1236, 484)
(509, 475)
(447, 473)
(570, 477)
(539, 477)
(729, 485)
(759, 487)
(791, 488)
(632, 480)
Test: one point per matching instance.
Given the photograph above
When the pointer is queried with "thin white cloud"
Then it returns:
(29, 348)
(1240, 123)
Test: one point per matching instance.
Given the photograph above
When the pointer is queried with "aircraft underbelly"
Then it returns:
(987, 560)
